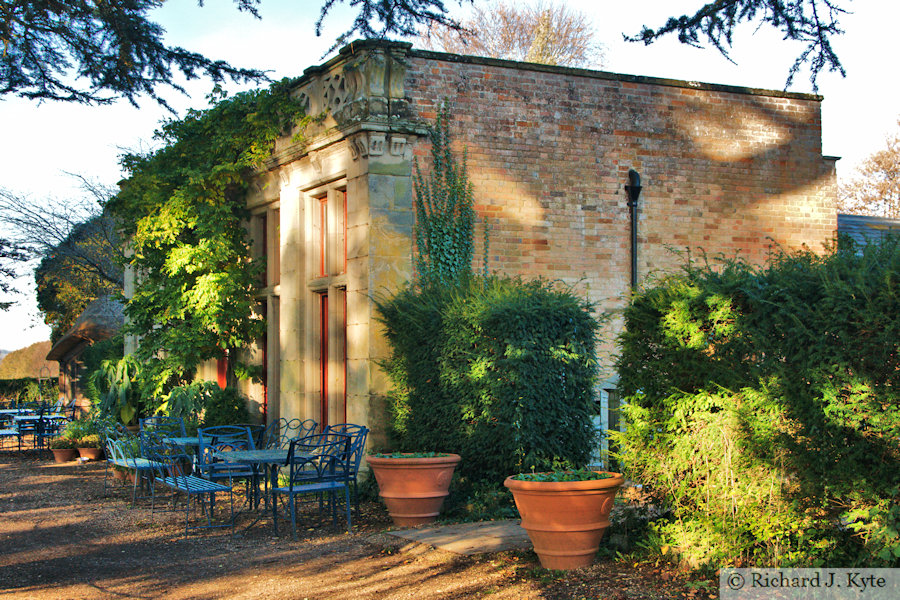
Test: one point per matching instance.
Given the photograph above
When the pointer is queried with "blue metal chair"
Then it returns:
(222, 439)
(358, 435)
(317, 464)
(280, 433)
(170, 472)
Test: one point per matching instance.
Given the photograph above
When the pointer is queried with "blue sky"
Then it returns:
(44, 141)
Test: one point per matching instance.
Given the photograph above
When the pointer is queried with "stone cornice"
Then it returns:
(359, 90)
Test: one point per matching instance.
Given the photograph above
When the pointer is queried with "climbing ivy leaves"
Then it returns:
(183, 210)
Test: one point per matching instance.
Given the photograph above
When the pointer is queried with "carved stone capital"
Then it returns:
(376, 144)
(359, 146)
(315, 160)
(398, 145)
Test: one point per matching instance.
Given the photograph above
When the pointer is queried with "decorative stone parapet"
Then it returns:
(363, 85)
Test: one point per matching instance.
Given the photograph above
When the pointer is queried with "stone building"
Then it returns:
(726, 169)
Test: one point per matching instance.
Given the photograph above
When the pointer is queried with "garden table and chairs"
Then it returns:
(269, 455)
(39, 428)
(8, 427)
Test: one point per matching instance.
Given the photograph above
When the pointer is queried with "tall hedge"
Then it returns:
(763, 407)
(498, 370)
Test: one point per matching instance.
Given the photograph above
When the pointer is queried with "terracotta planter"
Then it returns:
(413, 489)
(566, 519)
(119, 474)
(62, 455)
(179, 469)
(90, 453)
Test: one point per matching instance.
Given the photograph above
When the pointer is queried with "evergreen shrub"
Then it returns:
(225, 407)
(13, 390)
(498, 370)
(28, 389)
(762, 408)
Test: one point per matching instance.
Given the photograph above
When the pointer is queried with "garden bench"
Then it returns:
(121, 453)
(173, 472)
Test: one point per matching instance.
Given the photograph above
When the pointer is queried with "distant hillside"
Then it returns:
(3, 354)
(27, 362)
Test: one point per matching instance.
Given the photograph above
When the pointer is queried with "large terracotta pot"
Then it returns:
(565, 519)
(62, 455)
(90, 453)
(413, 488)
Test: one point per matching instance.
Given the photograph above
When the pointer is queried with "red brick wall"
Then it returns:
(722, 169)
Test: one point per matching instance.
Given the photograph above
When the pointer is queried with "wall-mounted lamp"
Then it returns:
(633, 189)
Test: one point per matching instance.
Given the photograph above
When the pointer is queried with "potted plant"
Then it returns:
(413, 485)
(63, 449)
(89, 447)
(565, 513)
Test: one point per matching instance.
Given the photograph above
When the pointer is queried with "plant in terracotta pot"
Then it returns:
(89, 447)
(413, 485)
(63, 449)
(565, 513)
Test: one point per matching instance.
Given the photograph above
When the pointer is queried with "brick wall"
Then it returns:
(723, 169)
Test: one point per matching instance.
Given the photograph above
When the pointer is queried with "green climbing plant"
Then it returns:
(183, 209)
(445, 211)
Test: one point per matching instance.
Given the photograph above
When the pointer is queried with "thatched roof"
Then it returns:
(100, 320)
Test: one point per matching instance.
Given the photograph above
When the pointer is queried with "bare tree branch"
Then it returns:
(77, 228)
(875, 189)
(550, 34)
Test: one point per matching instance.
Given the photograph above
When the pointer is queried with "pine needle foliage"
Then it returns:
(811, 22)
(183, 210)
(763, 408)
(445, 211)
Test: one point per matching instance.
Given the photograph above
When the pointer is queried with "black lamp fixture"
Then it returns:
(633, 189)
